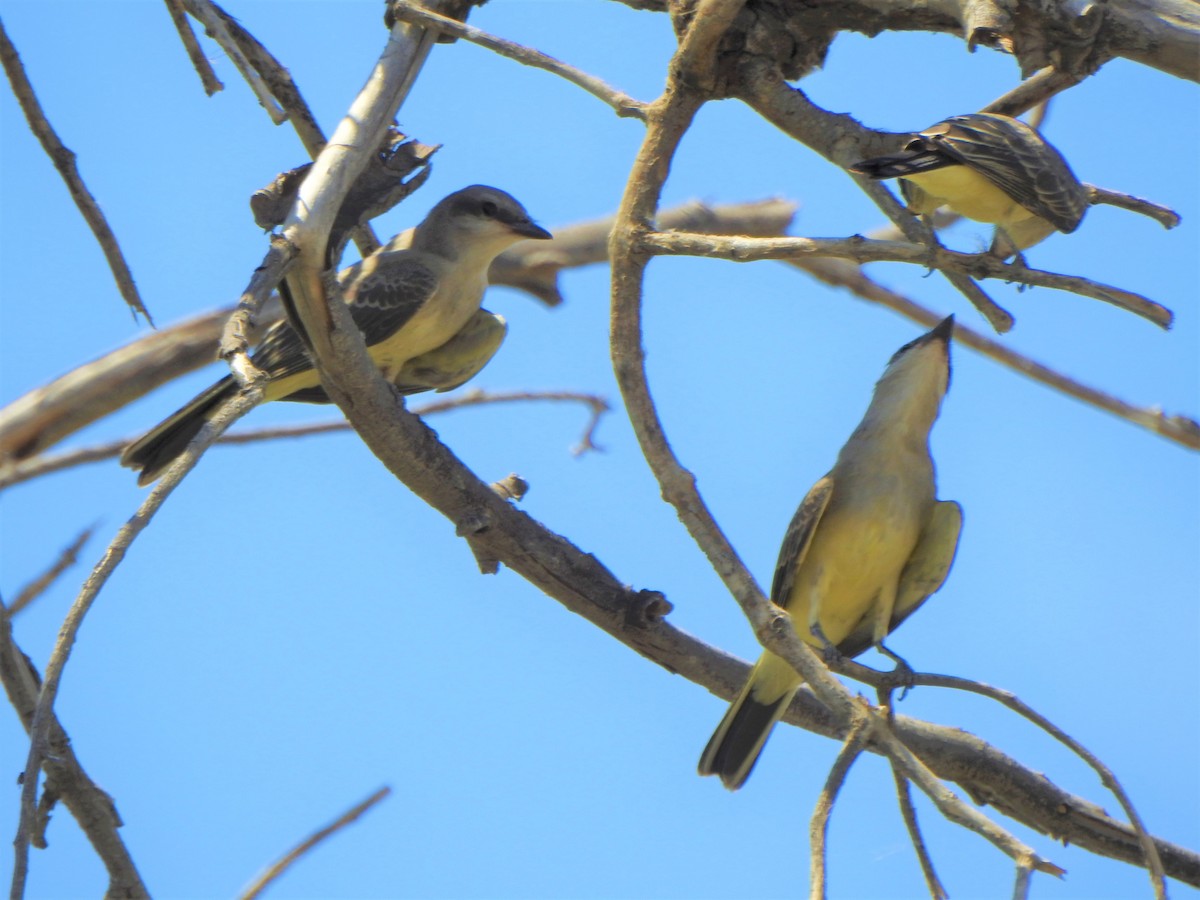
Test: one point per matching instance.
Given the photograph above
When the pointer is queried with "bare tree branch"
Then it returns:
(622, 103)
(863, 250)
(818, 826)
(38, 586)
(909, 813)
(36, 466)
(272, 74)
(214, 25)
(843, 273)
(48, 414)
(273, 872)
(208, 78)
(92, 808)
(64, 162)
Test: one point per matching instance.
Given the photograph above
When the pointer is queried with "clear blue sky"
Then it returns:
(296, 629)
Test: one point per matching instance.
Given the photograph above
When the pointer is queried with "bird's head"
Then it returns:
(482, 218)
(909, 393)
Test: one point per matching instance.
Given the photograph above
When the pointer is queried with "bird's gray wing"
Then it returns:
(384, 291)
(798, 539)
(387, 292)
(1016, 159)
(923, 574)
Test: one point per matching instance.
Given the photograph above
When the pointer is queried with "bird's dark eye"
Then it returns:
(488, 208)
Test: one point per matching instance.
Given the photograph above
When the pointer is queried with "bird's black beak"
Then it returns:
(943, 330)
(530, 229)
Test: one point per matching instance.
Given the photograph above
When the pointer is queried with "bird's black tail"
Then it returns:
(906, 162)
(157, 449)
(734, 747)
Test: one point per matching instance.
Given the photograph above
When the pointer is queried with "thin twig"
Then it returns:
(622, 103)
(1037, 88)
(863, 250)
(235, 337)
(1163, 215)
(263, 881)
(1024, 881)
(43, 714)
(38, 586)
(1107, 777)
(909, 813)
(949, 805)
(64, 162)
(92, 808)
(214, 26)
(279, 81)
(818, 826)
(37, 466)
(208, 78)
(842, 273)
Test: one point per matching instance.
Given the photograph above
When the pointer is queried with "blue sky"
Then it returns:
(296, 629)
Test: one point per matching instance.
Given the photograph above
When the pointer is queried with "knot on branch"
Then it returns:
(451, 9)
(1059, 34)
(646, 608)
(794, 38)
(381, 186)
(474, 523)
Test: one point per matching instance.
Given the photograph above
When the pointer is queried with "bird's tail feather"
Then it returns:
(734, 747)
(157, 449)
(907, 162)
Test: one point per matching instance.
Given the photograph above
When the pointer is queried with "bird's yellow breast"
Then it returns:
(969, 194)
(854, 561)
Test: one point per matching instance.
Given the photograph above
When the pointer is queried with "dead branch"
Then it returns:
(622, 103)
(208, 78)
(863, 250)
(64, 161)
(39, 585)
(92, 808)
(273, 872)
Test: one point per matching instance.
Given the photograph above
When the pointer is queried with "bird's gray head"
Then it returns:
(916, 378)
(482, 218)
(931, 350)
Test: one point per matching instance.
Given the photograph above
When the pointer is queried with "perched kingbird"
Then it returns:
(989, 168)
(867, 546)
(418, 310)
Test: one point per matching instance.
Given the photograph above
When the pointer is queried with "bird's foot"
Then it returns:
(903, 675)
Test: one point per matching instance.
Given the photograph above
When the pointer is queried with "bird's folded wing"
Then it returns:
(1020, 163)
(930, 562)
(383, 301)
(798, 539)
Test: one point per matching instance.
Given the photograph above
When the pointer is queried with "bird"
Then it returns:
(867, 546)
(412, 306)
(990, 168)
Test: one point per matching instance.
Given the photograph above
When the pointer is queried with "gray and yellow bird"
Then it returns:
(418, 310)
(868, 545)
(989, 168)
